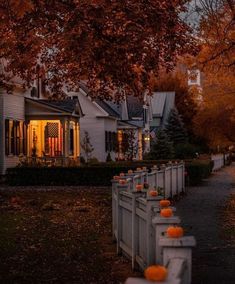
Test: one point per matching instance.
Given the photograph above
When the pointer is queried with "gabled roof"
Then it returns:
(162, 102)
(134, 107)
(67, 106)
(106, 106)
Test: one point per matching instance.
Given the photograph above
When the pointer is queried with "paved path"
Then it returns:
(214, 258)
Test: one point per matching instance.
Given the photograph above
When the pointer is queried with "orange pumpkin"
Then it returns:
(139, 187)
(166, 212)
(153, 193)
(155, 273)
(122, 181)
(165, 203)
(130, 172)
(175, 232)
(116, 177)
(122, 174)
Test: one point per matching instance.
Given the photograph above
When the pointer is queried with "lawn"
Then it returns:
(58, 235)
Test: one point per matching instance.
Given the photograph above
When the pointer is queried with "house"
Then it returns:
(109, 128)
(122, 129)
(37, 129)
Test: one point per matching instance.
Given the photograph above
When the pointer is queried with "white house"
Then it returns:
(108, 123)
(37, 129)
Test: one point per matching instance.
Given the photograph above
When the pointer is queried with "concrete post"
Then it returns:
(179, 248)
(161, 224)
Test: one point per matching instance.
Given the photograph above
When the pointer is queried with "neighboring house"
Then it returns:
(161, 104)
(37, 129)
(107, 125)
(123, 130)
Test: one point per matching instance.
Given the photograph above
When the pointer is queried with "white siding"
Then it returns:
(95, 126)
(12, 107)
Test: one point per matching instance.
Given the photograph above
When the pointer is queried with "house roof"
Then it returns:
(106, 106)
(66, 105)
(134, 107)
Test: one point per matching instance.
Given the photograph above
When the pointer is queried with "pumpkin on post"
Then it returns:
(165, 203)
(175, 232)
(139, 187)
(166, 212)
(155, 273)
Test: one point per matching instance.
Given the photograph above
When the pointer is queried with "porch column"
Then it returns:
(77, 131)
(65, 127)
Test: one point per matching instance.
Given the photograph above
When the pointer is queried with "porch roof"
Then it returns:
(46, 108)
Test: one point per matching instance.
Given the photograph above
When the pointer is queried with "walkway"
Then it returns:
(200, 211)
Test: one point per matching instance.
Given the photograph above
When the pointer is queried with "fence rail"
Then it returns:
(138, 228)
(219, 160)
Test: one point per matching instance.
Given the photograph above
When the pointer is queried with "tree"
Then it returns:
(177, 82)
(215, 120)
(87, 146)
(129, 144)
(175, 128)
(162, 147)
(114, 46)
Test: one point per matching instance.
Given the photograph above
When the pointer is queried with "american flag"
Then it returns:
(52, 129)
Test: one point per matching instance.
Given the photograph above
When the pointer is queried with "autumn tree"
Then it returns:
(114, 46)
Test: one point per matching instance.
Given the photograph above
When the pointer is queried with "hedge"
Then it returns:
(94, 175)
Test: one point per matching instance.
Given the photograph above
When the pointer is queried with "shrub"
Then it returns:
(94, 175)
(198, 170)
(185, 151)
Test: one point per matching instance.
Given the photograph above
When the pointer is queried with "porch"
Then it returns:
(53, 132)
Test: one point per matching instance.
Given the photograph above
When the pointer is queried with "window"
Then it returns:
(110, 141)
(15, 137)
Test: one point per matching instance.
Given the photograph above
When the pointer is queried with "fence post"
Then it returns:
(177, 182)
(171, 178)
(150, 233)
(163, 168)
(179, 248)
(183, 177)
(135, 195)
(161, 224)
(114, 205)
(120, 188)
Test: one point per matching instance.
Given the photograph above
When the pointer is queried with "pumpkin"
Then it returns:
(153, 193)
(138, 169)
(139, 187)
(116, 177)
(165, 203)
(122, 174)
(166, 212)
(155, 273)
(144, 169)
(122, 181)
(130, 172)
(175, 232)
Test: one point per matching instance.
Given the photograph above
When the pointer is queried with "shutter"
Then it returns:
(7, 137)
(25, 139)
(17, 131)
(106, 141)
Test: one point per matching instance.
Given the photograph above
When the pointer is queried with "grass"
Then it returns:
(58, 236)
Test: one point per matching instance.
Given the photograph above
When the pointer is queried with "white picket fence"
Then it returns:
(219, 161)
(139, 229)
